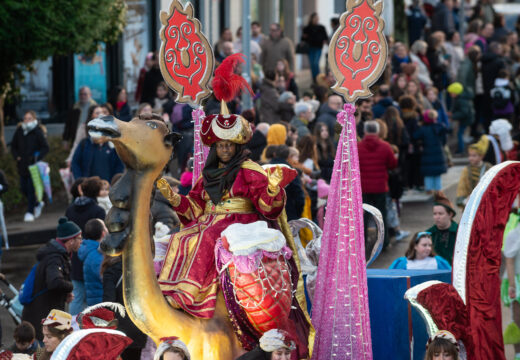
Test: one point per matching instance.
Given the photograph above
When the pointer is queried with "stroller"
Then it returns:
(11, 304)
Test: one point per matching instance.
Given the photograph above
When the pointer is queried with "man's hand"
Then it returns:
(70, 297)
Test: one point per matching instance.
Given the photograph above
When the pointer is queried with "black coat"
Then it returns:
(80, 211)
(295, 195)
(26, 146)
(256, 145)
(491, 65)
(256, 354)
(315, 35)
(53, 273)
(152, 78)
(113, 292)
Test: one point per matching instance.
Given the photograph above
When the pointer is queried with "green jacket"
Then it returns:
(443, 248)
(463, 109)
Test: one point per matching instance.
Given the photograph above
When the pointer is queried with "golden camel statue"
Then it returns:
(145, 146)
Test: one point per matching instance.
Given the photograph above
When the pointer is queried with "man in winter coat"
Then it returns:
(89, 253)
(376, 157)
(385, 100)
(277, 47)
(81, 211)
(328, 112)
(269, 106)
(95, 159)
(442, 19)
(27, 147)
(52, 281)
(77, 116)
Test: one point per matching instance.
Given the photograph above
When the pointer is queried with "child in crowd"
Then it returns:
(472, 173)
(172, 349)
(420, 255)
(443, 345)
(433, 138)
(462, 111)
(24, 339)
(163, 103)
(102, 198)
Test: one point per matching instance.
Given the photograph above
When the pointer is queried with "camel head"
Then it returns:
(145, 146)
(142, 144)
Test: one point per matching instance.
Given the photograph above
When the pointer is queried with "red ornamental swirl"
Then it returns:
(186, 57)
(358, 50)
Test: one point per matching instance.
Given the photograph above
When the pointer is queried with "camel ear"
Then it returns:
(172, 138)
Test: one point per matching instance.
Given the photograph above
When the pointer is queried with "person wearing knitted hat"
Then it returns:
(444, 230)
(57, 325)
(472, 173)
(52, 283)
(462, 111)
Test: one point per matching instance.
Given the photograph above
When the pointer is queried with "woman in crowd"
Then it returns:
(172, 349)
(163, 102)
(432, 137)
(412, 175)
(326, 150)
(419, 58)
(28, 146)
(398, 87)
(283, 71)
(420, 255)
(413, 89)
(315, 35)
(56, 327)
(119, 101)
(94, 111)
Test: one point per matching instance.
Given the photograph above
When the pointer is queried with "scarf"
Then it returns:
(28, 127)
(218, 180)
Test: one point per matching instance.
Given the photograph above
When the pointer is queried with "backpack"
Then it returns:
(500, 97)
(26, 292)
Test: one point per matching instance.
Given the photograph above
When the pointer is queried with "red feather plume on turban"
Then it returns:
(227, 84)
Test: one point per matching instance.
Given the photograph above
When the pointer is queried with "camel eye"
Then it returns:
(152, 124)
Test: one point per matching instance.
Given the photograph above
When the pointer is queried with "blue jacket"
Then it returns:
(433, 137)
(401, 263)
(95, 160)
(380, 107)
(91, 256)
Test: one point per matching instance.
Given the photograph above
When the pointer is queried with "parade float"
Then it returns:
(233, 271)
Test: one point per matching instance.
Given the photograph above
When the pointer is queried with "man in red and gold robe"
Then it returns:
(232, 189)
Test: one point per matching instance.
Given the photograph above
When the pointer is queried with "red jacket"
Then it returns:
(375, 159)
